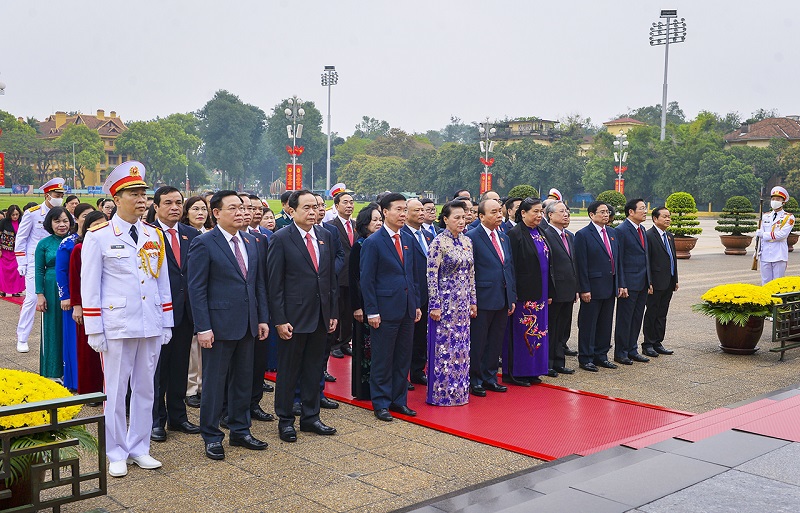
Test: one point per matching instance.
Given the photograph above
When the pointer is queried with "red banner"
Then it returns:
(486, 182)
(289, 177)
(2, 169)
(298, 177)
(619, 185)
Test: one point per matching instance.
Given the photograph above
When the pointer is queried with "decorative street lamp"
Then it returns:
(294, 172)
(329, 78)
(664, 33)
(487, 146)
(620, 157)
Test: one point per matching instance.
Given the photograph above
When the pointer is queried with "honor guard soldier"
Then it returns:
(127, 309)
(31, 231)
(775, 229)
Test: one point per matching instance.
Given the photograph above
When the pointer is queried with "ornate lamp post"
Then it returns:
(487, 146)
(294, 171)
(663, 33)
(329, 78)
(620, 157)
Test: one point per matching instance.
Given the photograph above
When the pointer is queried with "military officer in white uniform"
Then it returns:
(775, 229)
(127, 310)
(31, 231)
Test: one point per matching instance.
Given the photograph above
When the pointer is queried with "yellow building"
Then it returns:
(759, 134)
(108, 127)
(542, 131)
(624, 125)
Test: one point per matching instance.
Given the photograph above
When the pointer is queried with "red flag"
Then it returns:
(289, 177)
(2, 169)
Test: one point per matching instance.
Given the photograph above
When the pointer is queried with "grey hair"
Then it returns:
(551, 207)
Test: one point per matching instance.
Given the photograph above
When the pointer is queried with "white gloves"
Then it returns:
(22, 270)
(98, 342)
(166, 336)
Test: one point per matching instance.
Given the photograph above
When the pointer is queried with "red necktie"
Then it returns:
(176, 249)
(497, 248)
(310, 247)
(608, 248)
(641, 236)
(396, 238)
(349, 231)
(566, 244)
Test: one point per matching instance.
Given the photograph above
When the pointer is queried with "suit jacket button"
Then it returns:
(143, 298)
(246, 300)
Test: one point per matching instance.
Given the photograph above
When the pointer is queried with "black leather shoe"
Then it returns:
(639, 358)
(158, 434)
(624, 361)
(411, 386)
(405, 410)
(297, 410)
(564, 370)
(663, 350)
(478, 390)
(215, 451)
(570, 352)
(606, 364)
(648, 351)
(589, 367)
(535, 380)
(259, 414)
(193, 401)
(287, 434)
(420, 380)
(346, 349)
(495, 387)
(329, 378)
(249, 442)
(268, 387)
(337, 353)
(384, 415)
(552, 373)
(319, 428)
(185, 427)
(223, 422)
(328, 404)
(511, 380)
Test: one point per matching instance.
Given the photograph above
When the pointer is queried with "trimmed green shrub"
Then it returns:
(737, 217)
(523, 191)
(683, 209)
(792, 207)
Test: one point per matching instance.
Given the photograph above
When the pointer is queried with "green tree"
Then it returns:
(18, 142)
(371, 128)
(371, 175)
(397, 143)
(652, 114)
(722, 175)
(314, 142)
(89, 151)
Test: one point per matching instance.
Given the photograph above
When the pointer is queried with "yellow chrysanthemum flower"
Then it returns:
(783, 285)
(18, 387)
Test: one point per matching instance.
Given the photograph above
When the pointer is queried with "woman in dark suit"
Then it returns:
(525, 355)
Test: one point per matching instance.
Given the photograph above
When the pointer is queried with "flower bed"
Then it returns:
(18, 387)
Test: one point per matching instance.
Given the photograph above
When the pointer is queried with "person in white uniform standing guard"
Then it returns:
(127, 310)
(31, 231)
(775, 229)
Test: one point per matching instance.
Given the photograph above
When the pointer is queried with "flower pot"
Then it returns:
(735, 339)
(736, 244)
(792, 240)
(683, 247)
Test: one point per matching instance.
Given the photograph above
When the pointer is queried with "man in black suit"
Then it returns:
(634, 283)
(429, 217)
(422, 239)
(598, 267)
(346, 231)
(664, 274)
(303, 293)
(173, 364)
(511, 205)
(563, 287)
(227, 291)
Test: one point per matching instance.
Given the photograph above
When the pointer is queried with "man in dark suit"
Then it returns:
(598, 267)
(391, 305)
(228, 295)
(173, 364)
(303, 302)
(563, 286)
(346, 232)
(422, 239)
(664, 275)
(511, 205)
(633, 282)
(495, 287)
(486, 195)
(429, 217)
(258, 215)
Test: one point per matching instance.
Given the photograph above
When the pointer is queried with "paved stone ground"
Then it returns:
(373, 466)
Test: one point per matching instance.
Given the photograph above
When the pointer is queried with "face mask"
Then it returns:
(775, 204)
(56, 202)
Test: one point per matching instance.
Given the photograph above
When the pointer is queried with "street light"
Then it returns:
(329, 78)
(664, 33)
(487, 146)
(294, 113)
(620, 157)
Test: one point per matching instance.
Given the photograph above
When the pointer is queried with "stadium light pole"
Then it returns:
(663, 33)
(329, 78)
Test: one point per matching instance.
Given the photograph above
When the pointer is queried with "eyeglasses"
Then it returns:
(234, 209)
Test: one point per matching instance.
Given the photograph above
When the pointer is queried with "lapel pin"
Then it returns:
(321, 242)
(184, 237)
(247, 241)
(405, 247)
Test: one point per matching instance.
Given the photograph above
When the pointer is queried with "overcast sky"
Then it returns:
(413, 63)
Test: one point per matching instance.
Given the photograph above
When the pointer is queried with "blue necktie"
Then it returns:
(669, 252)
(421, 241)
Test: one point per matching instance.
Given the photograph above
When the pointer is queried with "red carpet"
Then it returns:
(15, 300)
(544, 421)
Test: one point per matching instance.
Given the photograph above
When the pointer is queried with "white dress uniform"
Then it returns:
(773, 249)
(30, 232)
(126, 301)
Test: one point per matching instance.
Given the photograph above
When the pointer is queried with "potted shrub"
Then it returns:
(523, 191)
(738, 310)
(792, 207)
(617, 201)
(683, 209)
(737, 218)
